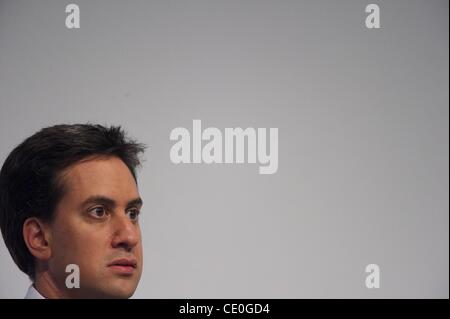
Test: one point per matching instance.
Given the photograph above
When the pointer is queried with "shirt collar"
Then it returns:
(32, 293)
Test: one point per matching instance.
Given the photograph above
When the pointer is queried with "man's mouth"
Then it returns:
(123, 265)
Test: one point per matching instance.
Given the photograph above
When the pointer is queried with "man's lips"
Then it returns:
(125, 264)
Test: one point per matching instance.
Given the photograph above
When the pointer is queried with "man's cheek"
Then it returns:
(57, 266)
(72, 249)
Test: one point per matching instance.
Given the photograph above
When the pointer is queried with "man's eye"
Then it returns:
(133, 214)
(98, 212)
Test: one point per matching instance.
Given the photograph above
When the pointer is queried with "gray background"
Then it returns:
(363, 136)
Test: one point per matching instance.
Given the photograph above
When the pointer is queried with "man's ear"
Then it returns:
(37, 238)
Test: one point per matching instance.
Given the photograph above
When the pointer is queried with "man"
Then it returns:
(69, 206)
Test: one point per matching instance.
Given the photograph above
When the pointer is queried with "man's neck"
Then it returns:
(46, 286)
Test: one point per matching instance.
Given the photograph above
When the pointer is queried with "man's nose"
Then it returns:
(126, 233)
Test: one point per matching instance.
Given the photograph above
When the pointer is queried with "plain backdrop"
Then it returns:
(363, 119)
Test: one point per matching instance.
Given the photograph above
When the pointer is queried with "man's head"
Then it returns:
(68, 195)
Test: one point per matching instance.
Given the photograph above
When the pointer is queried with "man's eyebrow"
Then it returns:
(104, 200)
(135, 202)
(99, 199)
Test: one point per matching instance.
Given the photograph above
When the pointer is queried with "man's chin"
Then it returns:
(121, 289)
(104, 293)
(115, 288)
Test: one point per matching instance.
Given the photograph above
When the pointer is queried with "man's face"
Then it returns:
(96, 227)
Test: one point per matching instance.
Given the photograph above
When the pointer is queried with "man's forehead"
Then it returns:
(108, 176)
